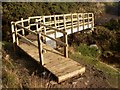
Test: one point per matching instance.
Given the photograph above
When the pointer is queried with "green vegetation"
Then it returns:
(107, 39)
(111, 73)
(9, 73)
(88, 51)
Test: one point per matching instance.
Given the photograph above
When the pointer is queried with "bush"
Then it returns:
(88, 51)
(113, 24)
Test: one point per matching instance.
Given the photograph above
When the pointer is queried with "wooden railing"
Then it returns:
(58, 21)
(65, 43)
(39, 35)
(43, 25)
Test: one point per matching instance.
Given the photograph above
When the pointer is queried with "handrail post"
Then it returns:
(13, 34)
(65, 40)
(55, 25)
(88, 21)
(23, 32)
(92, 22)
(29, 23)
(78, 21)
(44, 38)
(39, 45)
(40, 48)
(83, 16)
(17, 42)
(72, 22)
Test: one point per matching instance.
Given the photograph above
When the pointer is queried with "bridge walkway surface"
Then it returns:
(63, 68)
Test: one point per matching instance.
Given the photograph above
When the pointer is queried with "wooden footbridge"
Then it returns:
(38, 37)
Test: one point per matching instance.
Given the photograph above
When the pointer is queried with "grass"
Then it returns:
(112, 74)
(9, 75)
(16, 75)
(10, 78)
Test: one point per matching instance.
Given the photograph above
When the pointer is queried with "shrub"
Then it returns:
(88, 51)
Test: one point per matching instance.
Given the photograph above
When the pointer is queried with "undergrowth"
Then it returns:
(9, 74)
(90, 56)
(88, 51)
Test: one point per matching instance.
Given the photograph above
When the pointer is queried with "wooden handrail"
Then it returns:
(26, 29)
(52, 28)
(27, 40)
(62, 43)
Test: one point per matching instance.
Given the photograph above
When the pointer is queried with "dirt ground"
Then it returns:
(30, 75)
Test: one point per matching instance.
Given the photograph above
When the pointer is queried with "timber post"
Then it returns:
(39, 44)
(65, 39)
(40, 48)
(13, 35)
(23, 32)
(83, 21)
(16, 40)
(88, 20)
(92, 22)
(78, 21)
(72, 22)
(44, 38)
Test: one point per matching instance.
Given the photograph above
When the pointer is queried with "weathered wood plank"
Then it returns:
(70, 75)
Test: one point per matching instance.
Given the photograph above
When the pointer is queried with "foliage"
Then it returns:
(88, 51)
(13, 11)
(113, 24)
(106, 38)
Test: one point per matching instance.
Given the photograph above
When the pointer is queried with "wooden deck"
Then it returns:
(63, 68)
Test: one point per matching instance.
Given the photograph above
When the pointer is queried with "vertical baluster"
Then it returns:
(83, 21)
(23, 32)
(78, 21)
(44, 38)
(17, 42)
(55, 26)
(13, 34)
(88, 20)
(92, 22)
(72, 22)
